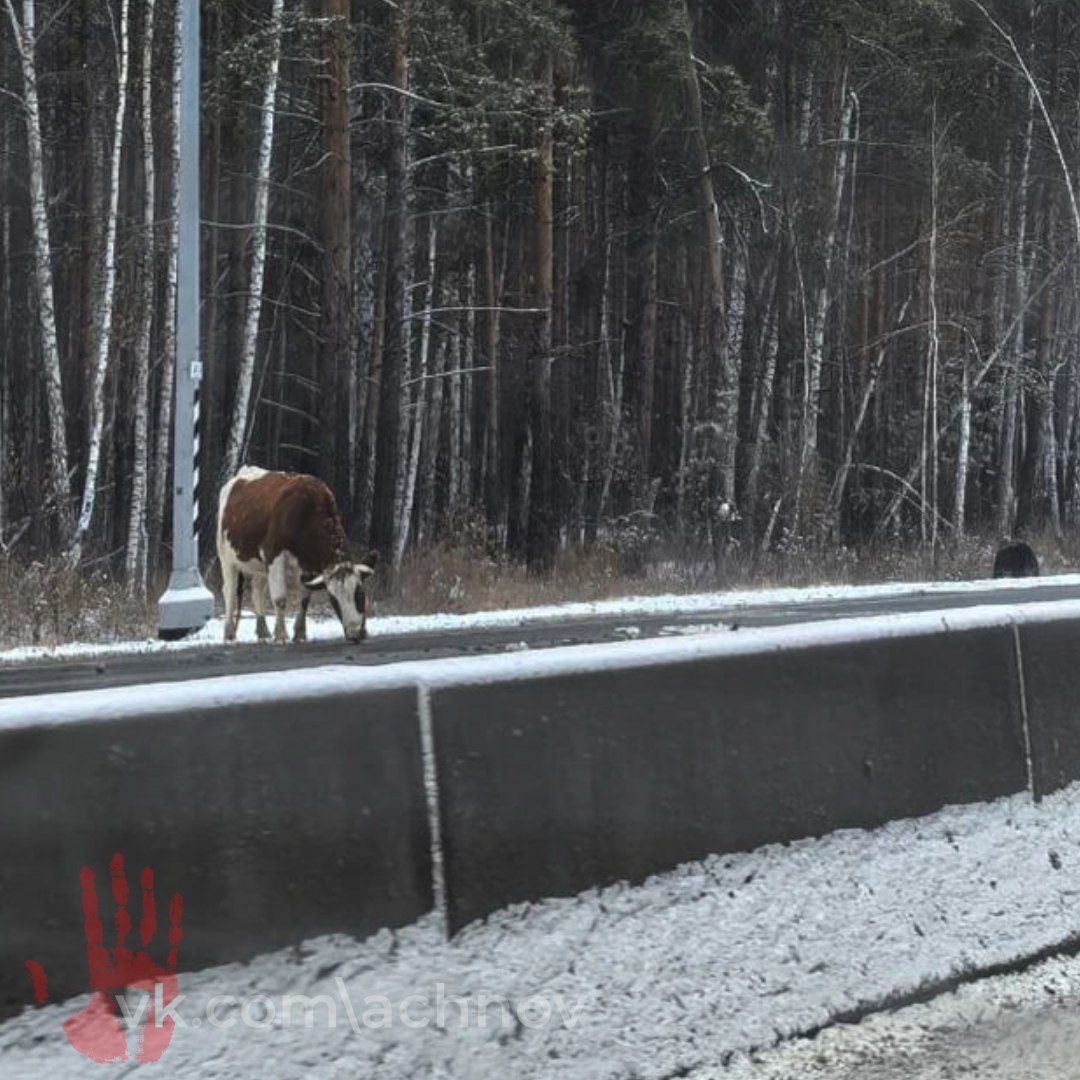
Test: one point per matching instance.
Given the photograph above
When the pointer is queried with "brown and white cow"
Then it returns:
(280, 529)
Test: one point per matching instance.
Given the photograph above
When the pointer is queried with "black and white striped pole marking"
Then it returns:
(196, 426)
(187, 603)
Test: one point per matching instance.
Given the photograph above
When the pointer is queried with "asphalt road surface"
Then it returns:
(206, 661)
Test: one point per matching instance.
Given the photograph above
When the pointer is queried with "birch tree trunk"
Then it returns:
(429, 451)
(1042, 490)
(963, 453)
(815, 358)
(840, 483)
(722, 335)
(762, 412)
(234, 447)
(135, 560)
(108, 293)
(417, 434)
(393, 394)
(58, 469)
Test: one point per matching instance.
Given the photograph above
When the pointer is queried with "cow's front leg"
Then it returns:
(300, 629)
(278, 582)
(260, 596)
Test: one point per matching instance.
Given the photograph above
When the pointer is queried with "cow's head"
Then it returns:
(344, 585)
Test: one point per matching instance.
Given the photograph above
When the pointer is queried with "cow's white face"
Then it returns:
(344, 585)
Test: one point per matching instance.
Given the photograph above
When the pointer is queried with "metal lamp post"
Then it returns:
(187, 603)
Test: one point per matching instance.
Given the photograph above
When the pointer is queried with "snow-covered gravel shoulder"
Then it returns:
(683, 975)
(1019, 1026)
(673, 604)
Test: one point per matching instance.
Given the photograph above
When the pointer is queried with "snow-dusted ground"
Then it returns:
(1021, 1026)
(681, 976)
(328, 628)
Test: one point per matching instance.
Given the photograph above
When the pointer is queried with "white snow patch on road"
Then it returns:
(711, 960)
(630, 608)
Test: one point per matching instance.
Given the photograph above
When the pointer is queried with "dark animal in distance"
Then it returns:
(280, 529)
(1016, 559)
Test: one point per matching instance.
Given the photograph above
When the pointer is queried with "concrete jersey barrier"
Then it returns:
(276, 820)
(552, 784)
(291, 804)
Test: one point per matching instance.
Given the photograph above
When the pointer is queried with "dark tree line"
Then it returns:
(536, 274)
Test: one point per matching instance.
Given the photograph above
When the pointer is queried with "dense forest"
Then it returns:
(538, 274)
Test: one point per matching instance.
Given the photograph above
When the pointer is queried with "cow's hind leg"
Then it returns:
(278, 582)
(300, 628)
(260, 595)
(232, 588)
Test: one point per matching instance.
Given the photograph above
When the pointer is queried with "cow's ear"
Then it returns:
(371, 558)
(313, 581)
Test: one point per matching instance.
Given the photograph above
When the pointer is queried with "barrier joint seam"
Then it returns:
(1024, 723)
(431, 793)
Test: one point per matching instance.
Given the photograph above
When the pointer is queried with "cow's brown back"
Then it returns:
(276, 512)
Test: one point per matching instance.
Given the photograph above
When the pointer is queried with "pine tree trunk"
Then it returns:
(494, 496)
(160, 470)
(1006, 492)
(542, 529)
(930, 487)
(336, 336)
(429, 451)
(686, 398)
(7, 337)
(135, 560)
(605, 411)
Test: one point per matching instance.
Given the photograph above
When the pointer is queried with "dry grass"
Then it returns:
(451, 579)
(45, 604)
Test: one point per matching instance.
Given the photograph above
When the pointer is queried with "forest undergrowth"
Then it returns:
(47, 604)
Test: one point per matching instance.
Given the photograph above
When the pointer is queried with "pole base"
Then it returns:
(184, 607)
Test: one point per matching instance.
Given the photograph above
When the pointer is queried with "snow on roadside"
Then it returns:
(159, 700)
(1016, 1026)
(327, 628)
(675, 975)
